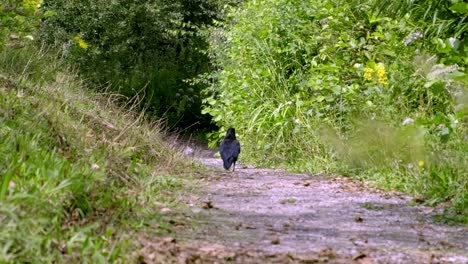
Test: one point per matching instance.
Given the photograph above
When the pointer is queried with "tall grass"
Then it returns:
(440, 18)
(79, 175)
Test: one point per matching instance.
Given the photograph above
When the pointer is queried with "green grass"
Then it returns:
(408, 159)
(79, 175)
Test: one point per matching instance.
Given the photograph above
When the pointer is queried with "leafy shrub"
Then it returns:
(20, 20)
(338, 86)
(137, 47)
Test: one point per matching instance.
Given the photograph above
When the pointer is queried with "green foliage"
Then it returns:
(341, 86)
(443, 24)
(78, 172)
(137, 47)
(20, 20)
(435, 17)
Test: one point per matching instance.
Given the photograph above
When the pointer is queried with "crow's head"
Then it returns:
(231, 133)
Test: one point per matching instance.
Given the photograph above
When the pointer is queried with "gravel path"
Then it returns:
(270, 216)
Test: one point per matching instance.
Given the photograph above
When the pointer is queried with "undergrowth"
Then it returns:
(79, 175)
(348, 87)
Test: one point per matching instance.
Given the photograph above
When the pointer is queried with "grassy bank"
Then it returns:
(79, 174)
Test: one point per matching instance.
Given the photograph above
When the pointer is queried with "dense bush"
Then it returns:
(343, 86)
(137, 47)
(20, 21)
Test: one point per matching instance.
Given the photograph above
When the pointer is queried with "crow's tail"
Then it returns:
(227, 163)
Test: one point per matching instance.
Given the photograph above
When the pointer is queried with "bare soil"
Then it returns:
(258, 215)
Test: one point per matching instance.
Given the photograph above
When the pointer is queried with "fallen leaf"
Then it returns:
(169, 240)
(419, 200)
(275, 240)
(109, 125)
(165, 211)
(359, 256)
(176, 223)
(288, 201)
(207, 205)
(358, 219)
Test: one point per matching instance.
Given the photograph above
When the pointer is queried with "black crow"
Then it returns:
(229, 149)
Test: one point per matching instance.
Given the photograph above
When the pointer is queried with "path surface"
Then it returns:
(261, 215)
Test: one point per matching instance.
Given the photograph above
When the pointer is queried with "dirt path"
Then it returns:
(269, 216)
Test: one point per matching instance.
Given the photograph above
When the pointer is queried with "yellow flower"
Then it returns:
(421, 163)
(31, 6)
(81, 42)
(381, 74)
(368, 72)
